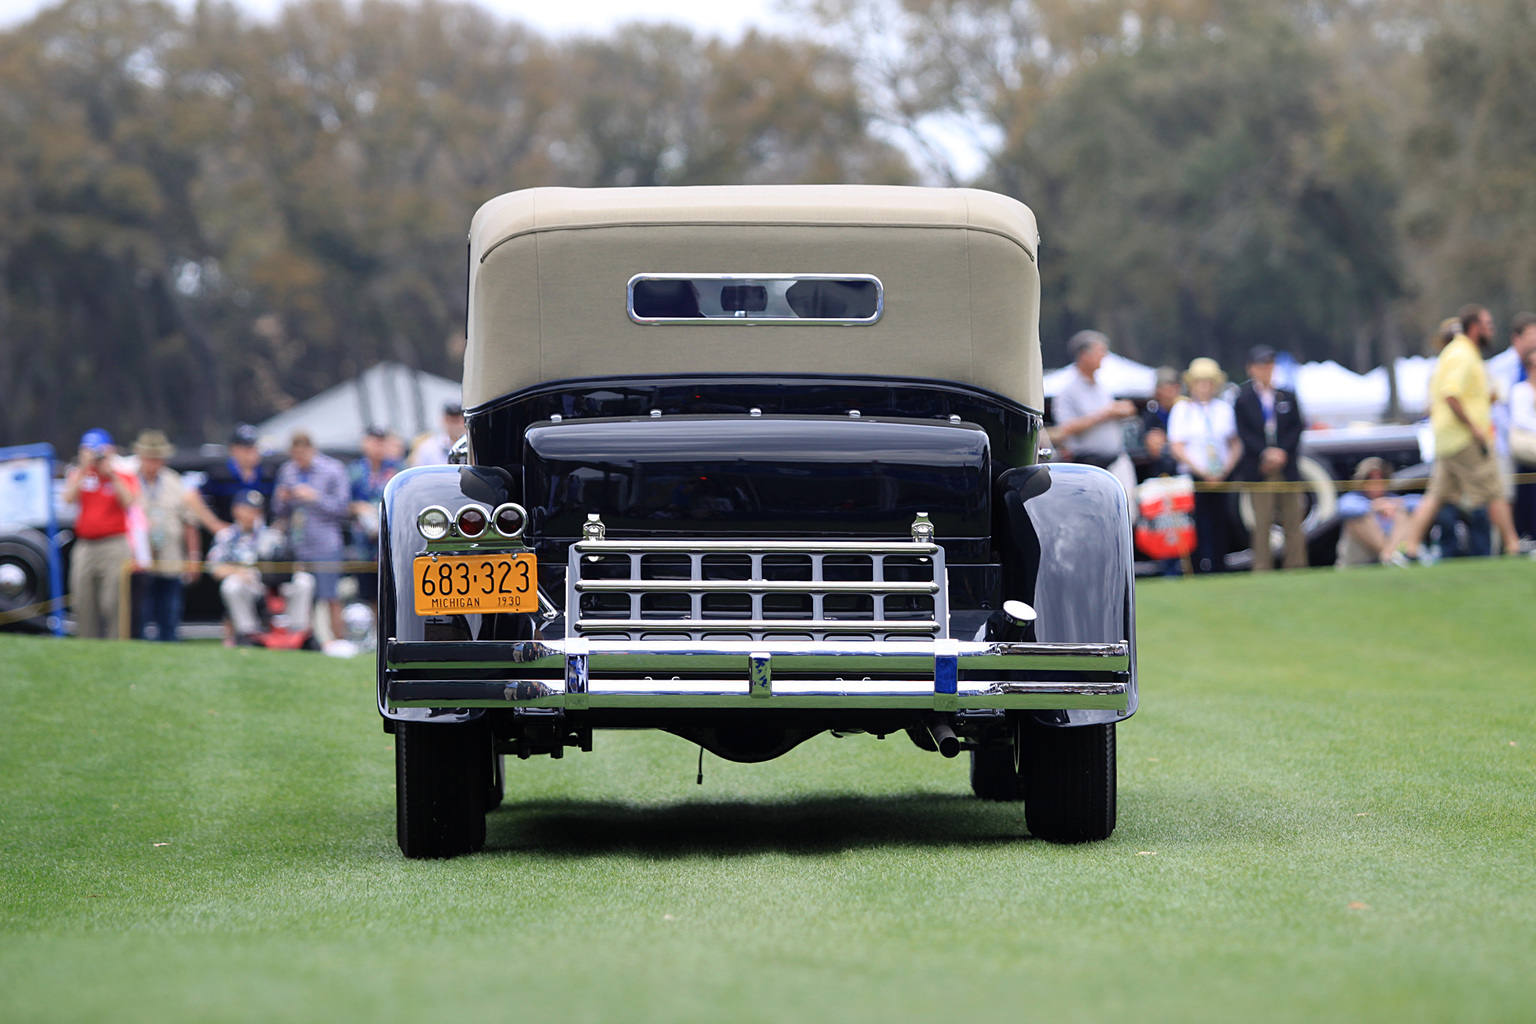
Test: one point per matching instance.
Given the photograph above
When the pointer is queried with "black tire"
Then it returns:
(1069, 780)
(440, 786)
(496, 790)
(24, 554)
(994, 774)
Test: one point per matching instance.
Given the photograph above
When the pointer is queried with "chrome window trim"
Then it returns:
(757, 320)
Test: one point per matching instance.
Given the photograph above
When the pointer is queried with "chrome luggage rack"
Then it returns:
(756, 590)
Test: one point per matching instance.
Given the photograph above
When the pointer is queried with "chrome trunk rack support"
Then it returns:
(793, 590)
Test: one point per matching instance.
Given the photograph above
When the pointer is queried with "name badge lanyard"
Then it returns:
(1212, 455)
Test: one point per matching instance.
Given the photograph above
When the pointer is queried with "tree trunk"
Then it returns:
(1391, 350)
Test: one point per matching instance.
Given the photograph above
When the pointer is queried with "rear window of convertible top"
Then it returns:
(767, 298)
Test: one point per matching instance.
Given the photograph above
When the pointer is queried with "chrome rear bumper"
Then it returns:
(577, 674)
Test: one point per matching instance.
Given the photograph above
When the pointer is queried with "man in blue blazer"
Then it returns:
(1269, 426)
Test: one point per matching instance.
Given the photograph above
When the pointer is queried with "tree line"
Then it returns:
(206, 217)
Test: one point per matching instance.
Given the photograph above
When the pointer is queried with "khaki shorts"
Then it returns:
(1467, 477)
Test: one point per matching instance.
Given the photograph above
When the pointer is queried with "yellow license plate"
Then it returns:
(459, 584)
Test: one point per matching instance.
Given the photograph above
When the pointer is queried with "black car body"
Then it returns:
(747, 464)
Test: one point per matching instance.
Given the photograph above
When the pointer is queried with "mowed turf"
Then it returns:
(1326, 812)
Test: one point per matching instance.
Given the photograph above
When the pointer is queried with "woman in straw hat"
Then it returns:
(173, 538)
(1203, 434)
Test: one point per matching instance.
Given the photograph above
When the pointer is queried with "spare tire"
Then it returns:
(24, 580)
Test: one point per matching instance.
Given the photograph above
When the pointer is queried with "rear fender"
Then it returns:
(1063, 532)
(399, 542)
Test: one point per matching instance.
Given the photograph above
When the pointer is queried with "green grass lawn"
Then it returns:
(1327, 811)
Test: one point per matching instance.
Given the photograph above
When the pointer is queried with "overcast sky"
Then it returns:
(720, 17)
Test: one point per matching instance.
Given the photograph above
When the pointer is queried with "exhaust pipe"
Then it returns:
(943, 736)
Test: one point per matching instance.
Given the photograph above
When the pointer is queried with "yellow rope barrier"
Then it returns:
(29, 610)
(125, 592)
(125, 584)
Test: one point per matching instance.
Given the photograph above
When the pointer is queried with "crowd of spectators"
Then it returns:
(288, 530)
(1226, 440)
(319, 513)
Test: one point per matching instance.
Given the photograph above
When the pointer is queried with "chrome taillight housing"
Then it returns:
(433, 522)
(471, 521)
(509, 519)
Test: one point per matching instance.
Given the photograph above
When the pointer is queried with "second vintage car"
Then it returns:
(746, 465)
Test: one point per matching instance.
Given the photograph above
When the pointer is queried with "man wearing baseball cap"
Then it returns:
(242, 471)
(1269, 426)
(234, 560)
(104, 495)
(433, 450)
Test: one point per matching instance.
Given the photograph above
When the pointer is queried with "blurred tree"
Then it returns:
(1204, 196)
(654, 105)
(97, 169)
(1201, 183)
(1470, 160)
(361, 140)
(205, 218)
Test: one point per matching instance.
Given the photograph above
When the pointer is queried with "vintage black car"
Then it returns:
(748, 464)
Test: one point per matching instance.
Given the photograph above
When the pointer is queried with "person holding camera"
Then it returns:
(104, 495)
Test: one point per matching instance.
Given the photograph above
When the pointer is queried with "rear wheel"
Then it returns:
(994, 774)
(1069, 780)
(440, 786)
(496, 789)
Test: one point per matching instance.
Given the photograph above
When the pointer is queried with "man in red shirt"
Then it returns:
(101, 535)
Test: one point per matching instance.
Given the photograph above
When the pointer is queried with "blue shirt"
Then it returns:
(368, 485)
(224, 482)
(1355, 504)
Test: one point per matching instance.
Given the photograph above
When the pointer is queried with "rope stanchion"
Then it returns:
(125, 601)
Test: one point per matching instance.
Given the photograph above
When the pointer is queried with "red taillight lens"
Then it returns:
(509, 519)
(471, 521)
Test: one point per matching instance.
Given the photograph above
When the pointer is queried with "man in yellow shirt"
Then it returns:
(1466, 470)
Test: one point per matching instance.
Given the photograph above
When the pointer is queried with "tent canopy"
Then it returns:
(389, 395)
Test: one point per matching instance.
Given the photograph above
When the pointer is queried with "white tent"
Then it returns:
(1412, 385)
(1335, 396)
(1121, 377)
(390, 395)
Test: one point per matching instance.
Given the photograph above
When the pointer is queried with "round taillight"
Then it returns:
(472, 521)
(433, 522)
(509, 519)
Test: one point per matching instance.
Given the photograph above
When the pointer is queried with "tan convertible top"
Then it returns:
(550, 268)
